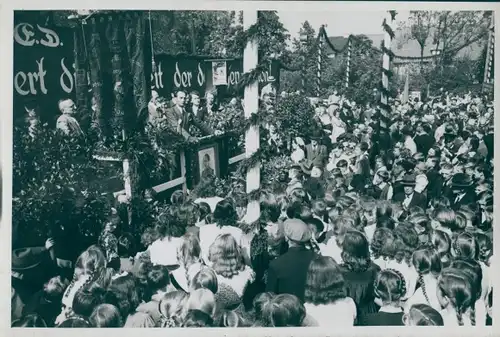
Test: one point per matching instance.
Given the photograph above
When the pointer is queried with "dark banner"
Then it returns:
(193, 73)
(43, 66)
(44, 69)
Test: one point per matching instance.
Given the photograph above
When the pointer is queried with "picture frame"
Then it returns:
(207, 158)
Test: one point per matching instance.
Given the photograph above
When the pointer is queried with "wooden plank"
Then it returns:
(183, 171)
(236, 159)
(159, 188)
(169, 184)
(106, 158)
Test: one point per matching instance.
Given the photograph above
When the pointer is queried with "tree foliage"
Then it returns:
(54, 184)
(419, 27)
(449, 31)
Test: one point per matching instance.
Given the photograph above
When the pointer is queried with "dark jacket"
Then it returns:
(383, 319)
(317, 157)
(173, 115)
(468, 198)
(417, 200)
(435, 184)
(287, 274)
(424, 143)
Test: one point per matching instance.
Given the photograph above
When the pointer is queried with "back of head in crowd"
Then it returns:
(106, 316)
(284, 310)
(423, 315)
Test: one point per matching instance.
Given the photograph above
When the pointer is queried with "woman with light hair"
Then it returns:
(189, 258)
(227, 262)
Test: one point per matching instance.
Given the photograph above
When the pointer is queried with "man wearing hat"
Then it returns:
(316, 153)
(462, 193)
(410, 198)
(287, 274)
(30, 268)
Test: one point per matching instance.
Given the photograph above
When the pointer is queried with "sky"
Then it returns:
(339, 23)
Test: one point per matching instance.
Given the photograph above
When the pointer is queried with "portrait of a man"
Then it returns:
(207, 163)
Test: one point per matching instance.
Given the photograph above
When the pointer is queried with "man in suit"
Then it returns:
(462, 193)
(67, 123)
(316, 153)
(180, 120)
(410, 198)
(287, 274)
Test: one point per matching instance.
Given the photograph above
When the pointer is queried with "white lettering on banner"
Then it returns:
(52, 37)
(201, 76)
(24, 35)
(157, 78)
(19, 86)
(182, 79)
(33, 79)
(67, 78)
(234, 77)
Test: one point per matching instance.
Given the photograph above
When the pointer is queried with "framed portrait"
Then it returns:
(208, 161)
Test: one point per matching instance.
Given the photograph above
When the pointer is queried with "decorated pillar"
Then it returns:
(488, 74)
(320, 60)
(251, 105)
(348, 68)
(386, 71)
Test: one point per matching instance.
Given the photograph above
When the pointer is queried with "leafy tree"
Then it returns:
(457, 30)
(191, 32)
(365, 70)
(419, 27)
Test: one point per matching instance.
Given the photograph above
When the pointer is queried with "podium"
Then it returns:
(207, 156)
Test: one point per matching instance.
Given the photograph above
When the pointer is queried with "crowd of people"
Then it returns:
(369, 226)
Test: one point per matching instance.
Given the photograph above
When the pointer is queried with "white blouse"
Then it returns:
(164, 251)
(340, 313)
(330, 248)
(431, 287)
(450, 317)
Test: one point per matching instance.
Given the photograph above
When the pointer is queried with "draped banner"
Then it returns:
(118, 61)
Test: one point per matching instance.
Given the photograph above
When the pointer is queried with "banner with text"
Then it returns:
(43, 67)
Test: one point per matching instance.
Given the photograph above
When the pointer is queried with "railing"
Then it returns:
(179, 181)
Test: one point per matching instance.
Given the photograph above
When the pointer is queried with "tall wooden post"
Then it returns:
(386, 65)
(348, 68)
(252, 141)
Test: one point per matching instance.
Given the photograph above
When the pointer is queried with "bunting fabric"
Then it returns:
(111, 50)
